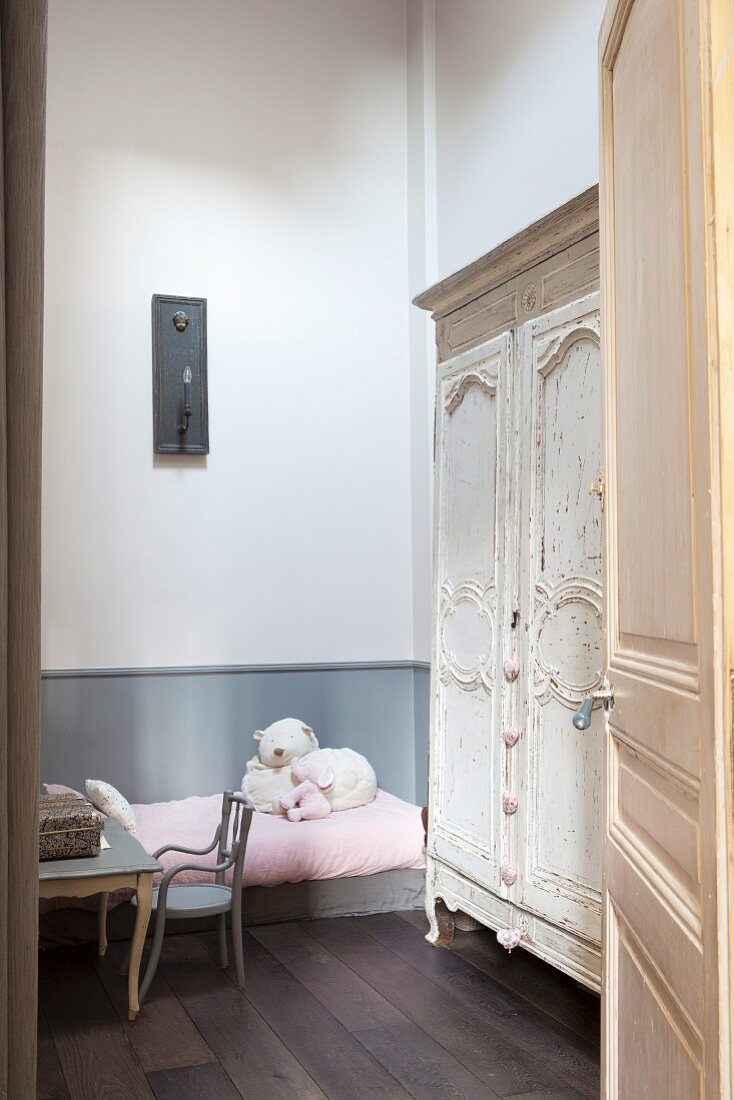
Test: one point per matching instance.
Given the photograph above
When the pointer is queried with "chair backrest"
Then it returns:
(233, 842)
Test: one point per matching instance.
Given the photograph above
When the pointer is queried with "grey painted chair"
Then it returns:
(176, 902)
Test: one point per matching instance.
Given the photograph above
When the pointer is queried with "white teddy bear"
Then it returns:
(268, 776)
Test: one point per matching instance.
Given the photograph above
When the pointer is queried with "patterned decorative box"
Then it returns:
(69, 827)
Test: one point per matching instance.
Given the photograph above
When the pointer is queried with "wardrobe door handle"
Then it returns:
(582, 717)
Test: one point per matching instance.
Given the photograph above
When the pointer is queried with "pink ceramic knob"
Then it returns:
(509, 938)
(509, 802)
(512, 736)
(512, 670)
(509, 874)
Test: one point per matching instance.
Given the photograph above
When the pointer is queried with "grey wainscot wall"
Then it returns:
(160, 734)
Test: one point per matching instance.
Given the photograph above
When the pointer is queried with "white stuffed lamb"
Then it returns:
(356, 783)
(268, 776)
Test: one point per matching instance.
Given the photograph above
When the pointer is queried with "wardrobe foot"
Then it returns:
(441, 920)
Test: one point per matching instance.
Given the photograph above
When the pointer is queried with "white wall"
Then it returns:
(308, 166)
(255, 154)
(516, 116)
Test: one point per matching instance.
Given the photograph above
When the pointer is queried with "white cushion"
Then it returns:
(108, 800)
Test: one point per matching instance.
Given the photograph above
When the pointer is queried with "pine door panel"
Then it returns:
(663, 838)
(654, 248)
(560, 768)
(472, 409)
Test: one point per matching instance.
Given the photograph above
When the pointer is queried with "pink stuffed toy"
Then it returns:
(307, 801)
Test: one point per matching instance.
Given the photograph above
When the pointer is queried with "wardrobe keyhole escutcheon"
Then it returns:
(599, 488)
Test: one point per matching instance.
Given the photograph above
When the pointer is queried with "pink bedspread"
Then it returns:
(383, 836)
(386, 835)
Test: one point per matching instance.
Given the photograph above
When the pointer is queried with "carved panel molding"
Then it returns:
(475, 665)
(482, 377)
(566, 640)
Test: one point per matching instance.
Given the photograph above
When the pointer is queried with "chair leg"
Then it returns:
(223, 940)
(155, 953)
(239, 964)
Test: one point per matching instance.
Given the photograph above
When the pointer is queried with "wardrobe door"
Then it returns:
(471, 485)
(558, 768)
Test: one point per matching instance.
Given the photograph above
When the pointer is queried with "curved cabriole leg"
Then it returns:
(155, 950)
(135, 992)
(441, 920)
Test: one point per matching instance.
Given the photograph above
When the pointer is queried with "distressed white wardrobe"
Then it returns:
(515, 789)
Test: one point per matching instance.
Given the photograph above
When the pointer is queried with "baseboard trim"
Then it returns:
(227, 670)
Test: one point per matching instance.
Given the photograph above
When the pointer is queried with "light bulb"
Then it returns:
(187, 375)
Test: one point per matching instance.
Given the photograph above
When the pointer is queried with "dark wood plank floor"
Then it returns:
(345, 1009)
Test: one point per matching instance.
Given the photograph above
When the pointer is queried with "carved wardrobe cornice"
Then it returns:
(573, 222)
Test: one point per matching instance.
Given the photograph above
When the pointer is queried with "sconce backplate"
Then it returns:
(176, 346)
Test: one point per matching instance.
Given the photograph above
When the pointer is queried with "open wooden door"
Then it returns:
(666, 1030)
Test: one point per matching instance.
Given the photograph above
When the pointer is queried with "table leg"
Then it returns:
(102, 923)
(145, 901)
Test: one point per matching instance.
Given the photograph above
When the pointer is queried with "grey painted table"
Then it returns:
(124, 864)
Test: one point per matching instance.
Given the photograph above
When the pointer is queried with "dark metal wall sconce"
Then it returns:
(180, 399)
(184, 427)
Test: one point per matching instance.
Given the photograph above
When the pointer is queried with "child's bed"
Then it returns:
(366, 860)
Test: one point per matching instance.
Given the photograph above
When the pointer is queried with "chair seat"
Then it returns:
(194, 900)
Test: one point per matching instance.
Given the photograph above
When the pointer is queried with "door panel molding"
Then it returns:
(687, 1036)
(646, 811)
(677, 953)
(653, 666)
(660, 723)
